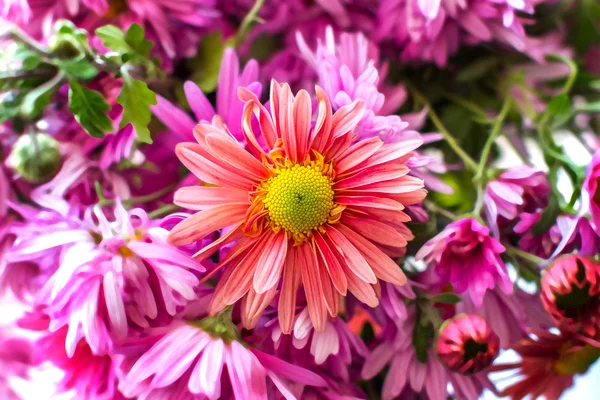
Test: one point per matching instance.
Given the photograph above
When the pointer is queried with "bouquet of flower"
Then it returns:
(325, 199)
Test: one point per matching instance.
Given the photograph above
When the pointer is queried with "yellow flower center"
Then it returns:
(299, 198)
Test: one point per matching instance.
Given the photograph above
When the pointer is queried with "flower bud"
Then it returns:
(570, 290)
(35, 157)
(466, 344)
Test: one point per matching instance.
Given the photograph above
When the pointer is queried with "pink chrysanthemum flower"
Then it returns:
(465, 255)
(189, 358)
(570, 291)
(592, 189)
(516, 190)
(466, 344)
(313, 207)
(110, 275)
(434, 30)
(17, 355)
(509, 316)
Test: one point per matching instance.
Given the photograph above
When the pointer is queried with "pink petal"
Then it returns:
(202, 197)
(270, 264)
(233, 153)
(313, 290)
(353, 259)
(289, 289)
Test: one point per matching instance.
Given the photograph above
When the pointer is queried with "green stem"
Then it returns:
(467, 104)
(162, 211)
(19, 35)
(247, 23)
(469, 162)
(518, 253)
(135, 200)
(434, 208)
(480, 178)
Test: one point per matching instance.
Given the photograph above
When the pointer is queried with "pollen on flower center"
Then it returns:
(299, 199)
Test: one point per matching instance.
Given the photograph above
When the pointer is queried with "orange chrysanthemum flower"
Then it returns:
(313, 210)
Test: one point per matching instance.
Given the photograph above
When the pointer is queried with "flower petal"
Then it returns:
(270, 264)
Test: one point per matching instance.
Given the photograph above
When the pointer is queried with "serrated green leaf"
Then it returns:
(30, 62)
(80, 69)
(89, 109)
(113, 38)
(136, 99)
(446, 298)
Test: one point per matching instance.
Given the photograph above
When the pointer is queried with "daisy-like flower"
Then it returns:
(571, 294)
(189, 358)
(516, 190)
(313, 207)
(110, 275)
(548, 363)
(466, 344)
(465, 255)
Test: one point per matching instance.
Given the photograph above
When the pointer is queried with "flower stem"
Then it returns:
(480, 178)
(434, 208)
(162, 211)
(469, 162)
(533, 259)
(247, 22)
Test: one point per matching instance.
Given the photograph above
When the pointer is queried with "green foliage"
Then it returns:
(130, 46)
(89, 109)
(136, 99)
(205, 65)
(446, 298)
(586, 28)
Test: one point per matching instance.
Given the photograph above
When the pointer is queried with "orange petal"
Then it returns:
(383, 266)
(270, 264)
(289, 289)
(204, 222)
(352, 257)
(311, 279)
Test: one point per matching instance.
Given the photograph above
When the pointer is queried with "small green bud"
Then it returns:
(35, 157)
(65, 47)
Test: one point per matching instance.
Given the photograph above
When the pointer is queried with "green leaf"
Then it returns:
(80, 69)
(207, 62)
(559, 104)
(89, 109)
(30, 62)
(548, 217)
(446, 298)
(136, 99)
(113, 38)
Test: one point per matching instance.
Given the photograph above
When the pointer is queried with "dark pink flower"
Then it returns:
(571, 294)
(465, 255)
(466, 344)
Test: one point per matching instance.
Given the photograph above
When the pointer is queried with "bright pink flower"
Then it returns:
(110, 275)
(434, 30)
(516, 190)
(414, 366)
(186, 360)
(16, 357)
(592, 189)
(509, 316)
(314, 208)
(570, 291)
(466, 344)
(90, 376)
(229, 106)
(465, 255)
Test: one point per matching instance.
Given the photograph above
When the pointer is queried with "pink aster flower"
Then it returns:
(348, 71)
(434, 30)
(465, 255)
(312, 211)
(188, 359)
(90, 376)
(570, 291)
(516, 190)
(110, 275)
(417, 370)
(591, 187)
(16, 357)
(228, 106)
(466, 344)
(509, 317)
